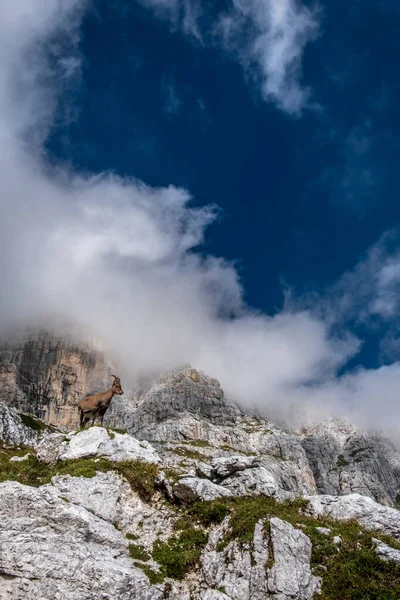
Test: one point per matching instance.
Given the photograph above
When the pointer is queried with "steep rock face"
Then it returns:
(345, 460)
(46, 375)
(182, 405)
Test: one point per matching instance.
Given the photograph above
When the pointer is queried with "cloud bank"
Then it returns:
(122, 259)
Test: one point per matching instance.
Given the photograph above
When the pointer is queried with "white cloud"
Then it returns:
(119, 257)
(268, 37)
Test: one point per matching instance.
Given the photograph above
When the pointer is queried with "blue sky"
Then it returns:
(213, 183)
(301, 197)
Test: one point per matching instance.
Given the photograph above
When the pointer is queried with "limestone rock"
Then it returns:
(189, 489)
(49, 448)
(254, 482)
(213, 595)
(20, 458)
(55, 549)
(46, 374)
(96, 441)
(290, 576)
(224, 467)
(345, 460)
(324, 530)
(361, 508)
(241, 572)
(184, 393)
(385, 552)
(13, 432)
(110, 498)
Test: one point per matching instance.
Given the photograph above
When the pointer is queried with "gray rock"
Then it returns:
(189, 489)
(55, 549)
(180, 394)
(109, 497)
(290, 576)
(213, 595)
(324, 530)
(20, 458)
(366, 511)
(49, 448)
(96, 441)
(241, 570)
(224, 467)
(46, 373)
(385, 552)
(13, 432)
(345, 460)
(337, 540)
(253, 482)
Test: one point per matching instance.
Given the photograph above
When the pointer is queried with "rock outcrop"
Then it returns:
(95, 536)
(52, 548)
(187, 498)
(345, 460)
(46, 375)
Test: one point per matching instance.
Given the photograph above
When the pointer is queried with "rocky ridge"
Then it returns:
(182, 495)
(216, 505)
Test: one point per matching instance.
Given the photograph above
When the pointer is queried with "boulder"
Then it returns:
(368, 513)
(55, 549)
(96, 441)
(189, 489)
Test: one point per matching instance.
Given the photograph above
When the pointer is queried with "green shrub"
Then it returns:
(140, 475)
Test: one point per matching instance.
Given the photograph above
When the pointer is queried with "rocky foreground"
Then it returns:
(198, 501)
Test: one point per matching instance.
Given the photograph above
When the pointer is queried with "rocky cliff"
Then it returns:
(102, 514)
(182, 495)
(46, 375)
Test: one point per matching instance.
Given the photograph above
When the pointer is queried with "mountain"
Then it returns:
(182, 495)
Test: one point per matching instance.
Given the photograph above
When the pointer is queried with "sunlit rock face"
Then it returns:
(100, 502)
(46, 375)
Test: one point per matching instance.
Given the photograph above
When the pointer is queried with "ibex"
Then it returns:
(95, 406)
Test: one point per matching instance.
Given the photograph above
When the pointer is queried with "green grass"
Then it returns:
(138, 552)
(117, 430)
(179, 554)
(35, 423)
(188, 453)
(351, 571)
(198, 443)
(209, 513)
(140, 475)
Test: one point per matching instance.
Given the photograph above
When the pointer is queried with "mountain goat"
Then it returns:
(95, 406)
